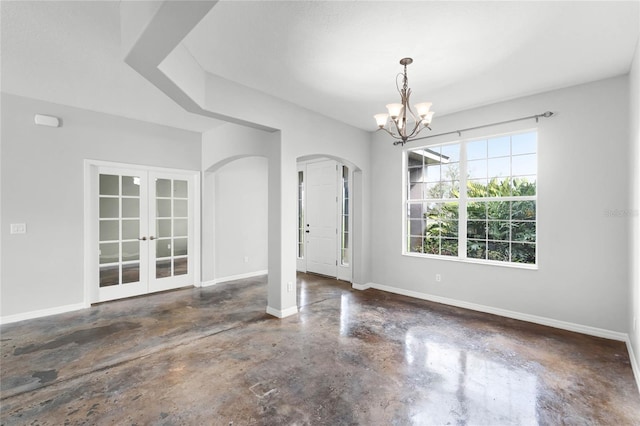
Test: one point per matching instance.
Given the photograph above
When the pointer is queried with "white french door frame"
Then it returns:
(91, 182)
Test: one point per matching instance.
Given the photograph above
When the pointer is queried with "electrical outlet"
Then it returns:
(289, 286)
(438, 278)
(634, 323)
(18, 228)
(246, 259)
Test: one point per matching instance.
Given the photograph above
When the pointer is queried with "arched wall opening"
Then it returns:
(223, 258)
(355, 221)
(235, 224)
(222, 146)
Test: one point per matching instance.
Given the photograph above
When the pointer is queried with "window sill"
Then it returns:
(473, 261)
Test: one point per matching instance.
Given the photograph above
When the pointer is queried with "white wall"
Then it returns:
(302, 133)
(583, 173)
(240, 194)
(42, 186)
(634, 209)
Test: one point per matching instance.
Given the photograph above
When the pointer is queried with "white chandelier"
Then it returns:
(405, 123)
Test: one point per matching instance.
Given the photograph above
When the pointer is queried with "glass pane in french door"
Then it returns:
(171, 226)
(119, 218)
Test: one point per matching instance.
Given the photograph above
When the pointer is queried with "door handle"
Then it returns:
(143, 239)
(307, 231)
(152, 238)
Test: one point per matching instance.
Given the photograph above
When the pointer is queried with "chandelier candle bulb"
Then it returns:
(381, 119)
(423, 109)
(394, 110)
(426, 120)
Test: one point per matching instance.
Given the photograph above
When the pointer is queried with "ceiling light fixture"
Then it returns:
(405, 123)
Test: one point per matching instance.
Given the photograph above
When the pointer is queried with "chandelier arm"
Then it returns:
(399, 135)
(390, 133)
(408, 107)
(416, 121)
(416, 130)
(397, 86)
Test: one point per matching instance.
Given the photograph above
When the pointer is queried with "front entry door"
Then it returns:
(321, 221)
(145, 232)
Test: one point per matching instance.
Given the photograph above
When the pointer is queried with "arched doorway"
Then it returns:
(326, 225)
(235, 219)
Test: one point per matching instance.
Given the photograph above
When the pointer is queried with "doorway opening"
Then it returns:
(325, 218)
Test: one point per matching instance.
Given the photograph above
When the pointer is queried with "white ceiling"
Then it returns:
(340, 58)
(337, 58)
(68, 52)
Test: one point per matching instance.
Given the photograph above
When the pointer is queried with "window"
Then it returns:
(344, 218)
(300, 214)
(474, 199)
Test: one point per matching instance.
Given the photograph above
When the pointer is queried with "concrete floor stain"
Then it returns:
(212, 356)
(79, 337)
(46, 376)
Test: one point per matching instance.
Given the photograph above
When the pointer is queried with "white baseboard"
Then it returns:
(282, 314)
(564, 325)
(634, 362)
(357, 286)
(42, 313)
(233, 278)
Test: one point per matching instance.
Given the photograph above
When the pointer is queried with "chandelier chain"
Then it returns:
(405, 82)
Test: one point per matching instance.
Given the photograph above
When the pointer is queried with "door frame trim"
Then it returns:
(90, 262)
(344, 273)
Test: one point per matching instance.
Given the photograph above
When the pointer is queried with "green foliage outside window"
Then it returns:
(499, 203)
(496, 230)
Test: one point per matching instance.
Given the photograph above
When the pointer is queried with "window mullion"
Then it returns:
(462, 206)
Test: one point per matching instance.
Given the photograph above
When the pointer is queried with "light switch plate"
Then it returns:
(18, 228)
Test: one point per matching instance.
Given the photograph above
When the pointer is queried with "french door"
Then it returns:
(145, 231)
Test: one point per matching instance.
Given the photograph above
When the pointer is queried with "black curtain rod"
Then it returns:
(546, 114)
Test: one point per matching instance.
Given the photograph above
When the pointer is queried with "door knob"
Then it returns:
(143, 239)
(152, 238)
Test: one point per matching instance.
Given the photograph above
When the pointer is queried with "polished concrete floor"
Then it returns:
(213, 357)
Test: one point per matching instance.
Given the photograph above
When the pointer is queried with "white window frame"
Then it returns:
(344, 181)
(462, 204)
